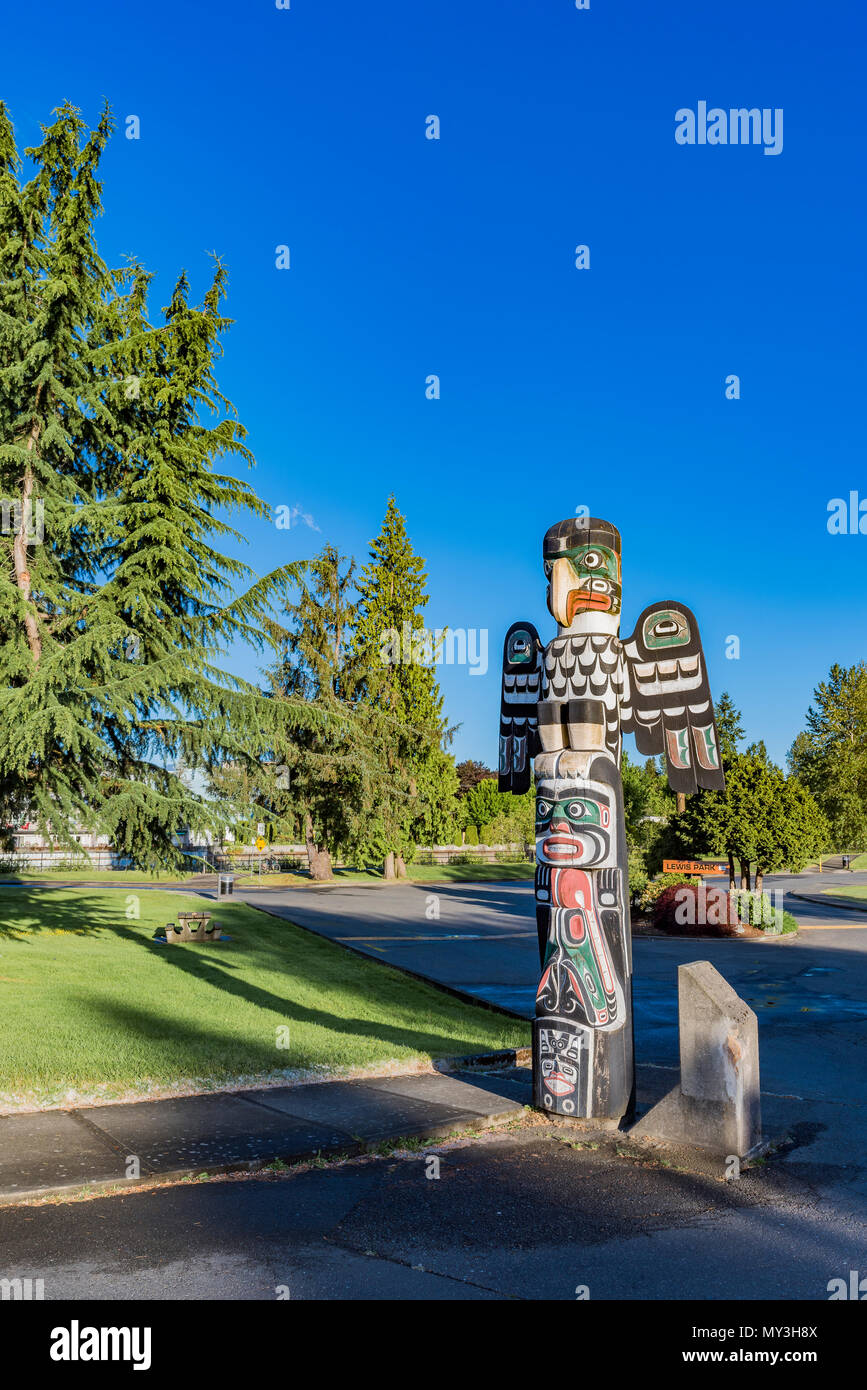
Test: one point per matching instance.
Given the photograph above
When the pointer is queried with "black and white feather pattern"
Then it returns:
(519, 708)
(669, 706)
(588, 667)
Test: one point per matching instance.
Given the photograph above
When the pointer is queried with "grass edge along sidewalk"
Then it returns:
(111, 1148)
(94, 1010)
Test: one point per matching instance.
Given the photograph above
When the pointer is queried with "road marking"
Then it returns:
(444, 936)
(832, 926)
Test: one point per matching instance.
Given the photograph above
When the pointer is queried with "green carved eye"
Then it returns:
(520, 647)
(666, 629)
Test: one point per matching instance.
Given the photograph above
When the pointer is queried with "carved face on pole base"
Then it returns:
(562, 1066)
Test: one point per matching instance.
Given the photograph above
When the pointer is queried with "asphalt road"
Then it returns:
(483, 942)
(511, 1216)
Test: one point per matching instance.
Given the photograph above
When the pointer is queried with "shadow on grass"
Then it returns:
(327, 968)
(26, 911)
(265, 1056)
(297, 962)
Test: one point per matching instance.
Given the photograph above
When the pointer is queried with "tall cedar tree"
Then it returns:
(114, 617)
(416, 794)
(328, 764)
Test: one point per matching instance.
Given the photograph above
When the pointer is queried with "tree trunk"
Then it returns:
(731, 872)
(388, 867)
(318, 857)
(745, 875)
(19, 549)
(760, 874)
(681, 801)
(400, 865)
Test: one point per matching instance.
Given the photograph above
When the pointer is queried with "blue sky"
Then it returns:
(559, 388)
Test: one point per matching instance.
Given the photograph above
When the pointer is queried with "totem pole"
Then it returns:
(565, 707)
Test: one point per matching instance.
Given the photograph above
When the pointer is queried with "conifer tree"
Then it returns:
(116, 601)
(417, 792)
(830, 756)
(328, 764)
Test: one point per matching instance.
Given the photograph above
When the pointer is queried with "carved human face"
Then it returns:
(559, 1058)
(573, 825)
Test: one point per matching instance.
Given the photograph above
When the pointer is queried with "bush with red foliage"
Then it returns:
(691, 909)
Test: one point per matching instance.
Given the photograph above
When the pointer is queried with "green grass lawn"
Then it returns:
(853, 892)
(859, 863)
(89, 1004)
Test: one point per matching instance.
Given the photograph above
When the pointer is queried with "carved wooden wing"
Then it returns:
(519, 707)
(668, 706)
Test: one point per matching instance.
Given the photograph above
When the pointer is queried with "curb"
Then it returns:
(461, 994)
(353, 1148)
(485, 1061)
(830, 901)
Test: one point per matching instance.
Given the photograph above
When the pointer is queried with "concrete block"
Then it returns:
(717, 1105)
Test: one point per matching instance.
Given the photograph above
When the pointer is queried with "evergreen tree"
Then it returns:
(830, 756)
(416, 800)
(116, 601)
(729, 728)
(330, 769)
(762, 817)
(485, 803)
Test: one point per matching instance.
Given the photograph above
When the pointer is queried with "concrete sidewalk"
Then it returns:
(527, 1211)
(52, 1152)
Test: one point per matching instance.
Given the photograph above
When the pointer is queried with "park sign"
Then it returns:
(690, 866)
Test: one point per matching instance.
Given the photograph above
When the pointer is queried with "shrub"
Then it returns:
(637, 873)
(289, 863)
(685, 910)
(658, 885)
(691, 909)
